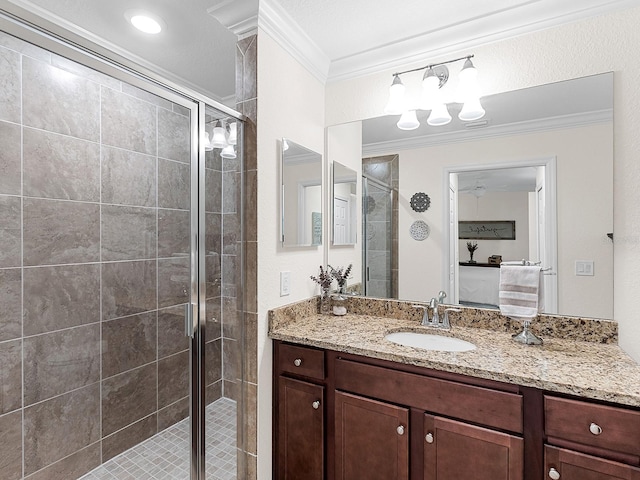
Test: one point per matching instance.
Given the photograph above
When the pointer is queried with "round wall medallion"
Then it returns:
(419, 230)
(420, 202)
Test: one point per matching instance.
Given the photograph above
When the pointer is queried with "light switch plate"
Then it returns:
(584, 268)
(285, 283)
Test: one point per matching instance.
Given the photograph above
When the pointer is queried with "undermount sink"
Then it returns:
(428, 341)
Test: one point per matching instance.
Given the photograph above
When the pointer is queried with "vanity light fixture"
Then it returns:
(435, 77)
(144, 21)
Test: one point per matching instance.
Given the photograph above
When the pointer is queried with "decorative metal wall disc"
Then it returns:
(419, 230)
(420, 202)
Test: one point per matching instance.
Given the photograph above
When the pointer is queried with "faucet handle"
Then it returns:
(425, 314)
(445, 320)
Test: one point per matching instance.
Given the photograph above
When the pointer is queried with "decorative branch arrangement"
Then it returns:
(341, 274)
(324, 279)
(472, 247)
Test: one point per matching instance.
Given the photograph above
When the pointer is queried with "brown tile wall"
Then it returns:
(94, 268)
(246, 97)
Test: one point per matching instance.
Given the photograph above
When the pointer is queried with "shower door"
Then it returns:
(377, 206)
(119, 271)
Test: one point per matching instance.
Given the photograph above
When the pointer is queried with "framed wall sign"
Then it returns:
(487, 230)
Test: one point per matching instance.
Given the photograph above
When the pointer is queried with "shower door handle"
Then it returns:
(189, 328)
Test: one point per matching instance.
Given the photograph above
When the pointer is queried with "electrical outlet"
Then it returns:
(285, 283)
(584, 268)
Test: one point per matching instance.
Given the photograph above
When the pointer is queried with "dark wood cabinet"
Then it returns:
(300, 430)
(371, 439)
(457, 450)
(562, 464)
(340, 416)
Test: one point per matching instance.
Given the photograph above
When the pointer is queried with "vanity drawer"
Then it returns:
(590, 424)
(301, 361)
(492, 408)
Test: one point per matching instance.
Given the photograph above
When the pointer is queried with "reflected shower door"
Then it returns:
(377, 209)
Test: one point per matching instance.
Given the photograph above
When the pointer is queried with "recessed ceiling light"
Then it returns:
(144, 21)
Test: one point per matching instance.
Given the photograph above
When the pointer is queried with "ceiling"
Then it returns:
(346, 37)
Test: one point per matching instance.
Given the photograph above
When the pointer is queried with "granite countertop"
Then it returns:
(587, 369)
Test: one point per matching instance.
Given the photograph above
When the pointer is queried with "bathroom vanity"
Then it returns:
(349, 405)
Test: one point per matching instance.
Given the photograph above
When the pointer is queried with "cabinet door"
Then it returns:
(564, 464)
(455, 450)
(372, 439)
(300, 430)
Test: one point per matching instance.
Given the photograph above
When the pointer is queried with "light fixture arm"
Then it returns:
(466, 57)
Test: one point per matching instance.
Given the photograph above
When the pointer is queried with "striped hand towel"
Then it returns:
(521, 293)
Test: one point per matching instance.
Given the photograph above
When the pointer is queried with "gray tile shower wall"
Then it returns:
(94, 266)
(246, 98)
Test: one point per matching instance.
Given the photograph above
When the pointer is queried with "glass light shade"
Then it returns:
(395, 105)
(471, 110)
(468, 86)
(228, 152)
(430, 90)
(439, 116)
(207, 142)
(233, 133)
(219, 140)
(408, 121)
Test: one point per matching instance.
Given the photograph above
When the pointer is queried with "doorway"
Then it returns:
(521, 189)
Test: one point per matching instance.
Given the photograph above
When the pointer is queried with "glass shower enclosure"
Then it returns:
(120, 270)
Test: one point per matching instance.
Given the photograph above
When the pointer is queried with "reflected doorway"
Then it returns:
(520, 192)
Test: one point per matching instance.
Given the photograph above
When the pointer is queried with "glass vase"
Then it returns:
(325, 302)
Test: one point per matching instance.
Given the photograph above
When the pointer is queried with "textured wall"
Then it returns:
(597, 45)
(291, 105)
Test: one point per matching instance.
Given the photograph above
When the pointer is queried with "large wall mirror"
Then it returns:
(540, 162)
(301, 174)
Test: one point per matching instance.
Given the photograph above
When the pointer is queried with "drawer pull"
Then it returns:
(297, 362)
(400, 430)
(429, 437)
(554, 474)
(316, 404)
(595, 429)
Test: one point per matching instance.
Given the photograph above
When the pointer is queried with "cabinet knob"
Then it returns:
(297, 362)
(554, 474)
(400, 430)
(429, 437)
(316, 404)
(595, 429)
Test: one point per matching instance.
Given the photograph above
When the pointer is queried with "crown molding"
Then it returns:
(473, 33)
(516, 128)
(239, 16)
(278, 24)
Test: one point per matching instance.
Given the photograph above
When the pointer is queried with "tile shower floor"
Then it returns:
(165, 456)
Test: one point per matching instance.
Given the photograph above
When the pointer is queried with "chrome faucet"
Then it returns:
(435, 318)
(434, 321)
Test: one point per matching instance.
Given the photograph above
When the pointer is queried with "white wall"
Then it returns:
(596, 45)
(344, 145)
(496, 206)
(291, 105)
(576, 150)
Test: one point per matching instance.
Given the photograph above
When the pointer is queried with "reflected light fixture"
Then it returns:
(207, 142)
(435, 77)
(144, 21)
(219, 139)
(228, 152)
